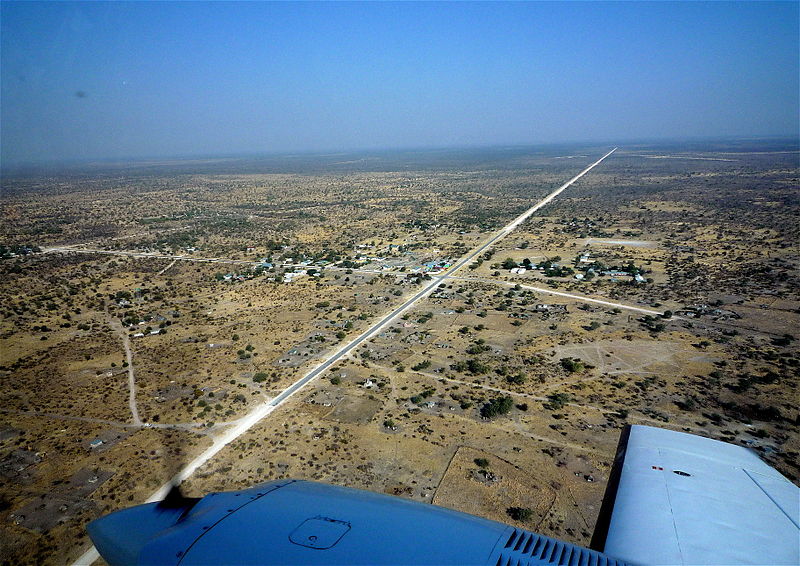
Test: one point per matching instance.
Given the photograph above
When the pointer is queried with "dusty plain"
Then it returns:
(660, 289)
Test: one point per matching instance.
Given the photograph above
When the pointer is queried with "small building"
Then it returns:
(96, 443)
(290, 276)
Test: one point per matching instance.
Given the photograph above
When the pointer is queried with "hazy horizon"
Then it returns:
(130, 81)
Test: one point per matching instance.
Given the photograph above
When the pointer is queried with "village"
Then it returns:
(130, 342)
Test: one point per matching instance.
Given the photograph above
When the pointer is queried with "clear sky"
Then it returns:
(149, 79)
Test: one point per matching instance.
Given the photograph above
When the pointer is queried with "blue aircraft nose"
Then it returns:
(119, 537)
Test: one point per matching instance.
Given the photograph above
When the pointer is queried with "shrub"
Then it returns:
(572, 365)
(557, 401)
(497, 406)
(522, 514)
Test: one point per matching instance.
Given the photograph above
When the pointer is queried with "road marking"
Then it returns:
(262, 411)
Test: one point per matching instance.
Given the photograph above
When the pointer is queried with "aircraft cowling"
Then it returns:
(300, 522)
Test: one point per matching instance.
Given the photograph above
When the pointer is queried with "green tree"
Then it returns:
(509, 263)
(522, 514)
(497, 406)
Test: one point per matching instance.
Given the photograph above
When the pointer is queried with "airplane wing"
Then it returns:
(672, 498)
(676, 498)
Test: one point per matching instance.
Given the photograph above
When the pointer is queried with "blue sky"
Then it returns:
(118, 80)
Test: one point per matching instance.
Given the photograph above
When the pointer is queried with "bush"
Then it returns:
(478, 348)
(522, 514)
(516, 379)
(497, 406)
(482, 462)
(260, 376)
(557, 401)
(477, 367)
(572, 365)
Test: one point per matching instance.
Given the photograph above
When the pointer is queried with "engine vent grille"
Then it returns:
(523, 548)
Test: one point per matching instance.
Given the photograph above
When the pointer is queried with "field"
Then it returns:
(148, 307)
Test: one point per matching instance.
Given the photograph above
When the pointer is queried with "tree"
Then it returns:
(557, 401)
(477, 367)
(522, 514)
(508, 263)
(516, 379)
(572, 365)
(497, 406)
